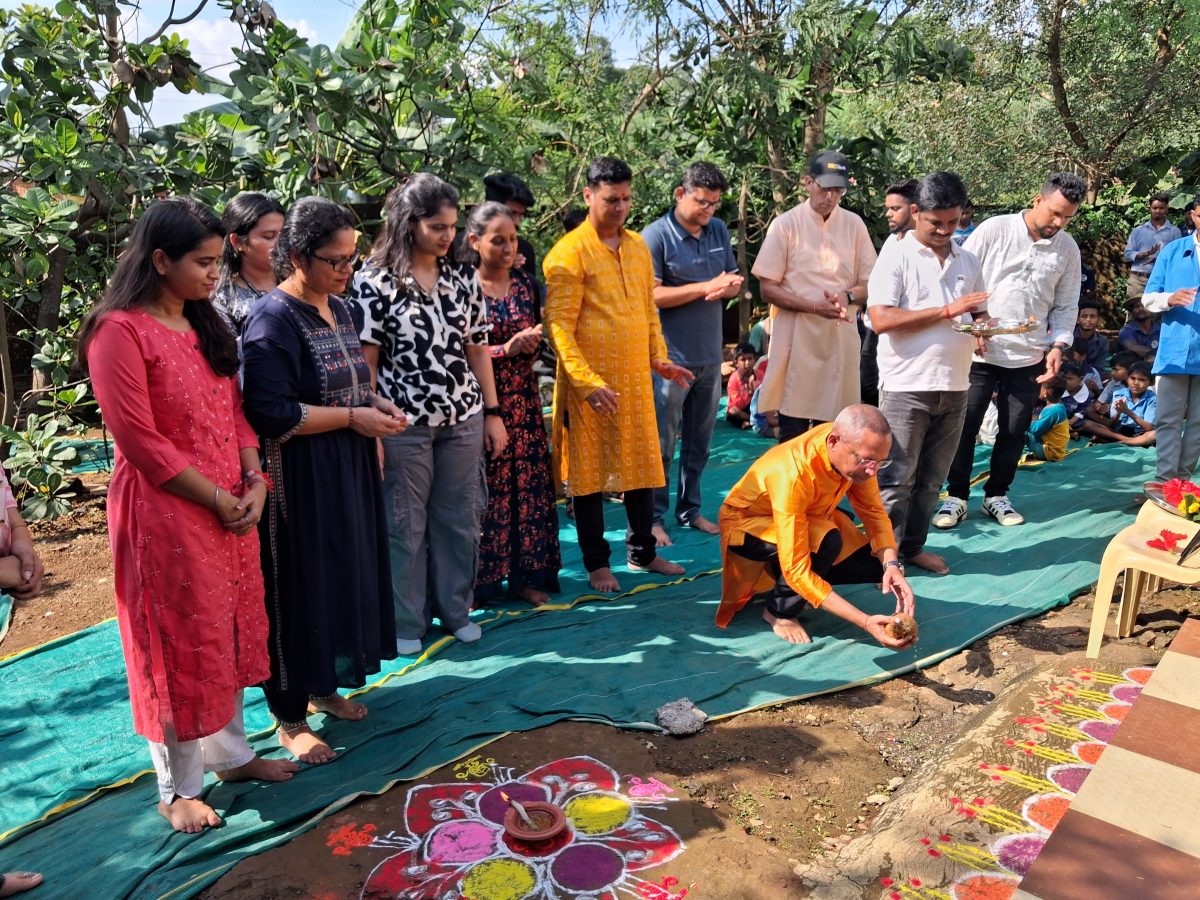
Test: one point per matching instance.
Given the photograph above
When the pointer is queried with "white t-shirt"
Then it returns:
(910, 276)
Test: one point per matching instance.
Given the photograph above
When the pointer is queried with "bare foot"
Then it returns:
(702, 524)
(659, 566)
(189, 815)
(661, 538)
(338, 707)
(788, 629)
(16, 882)
(259, 769)
(930, 562)
(304, 744)
(533, 596)
(602, 580)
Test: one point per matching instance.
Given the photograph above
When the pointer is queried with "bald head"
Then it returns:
(859, 441)
(853, 421)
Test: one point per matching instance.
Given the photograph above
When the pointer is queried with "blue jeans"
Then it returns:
(687, 414)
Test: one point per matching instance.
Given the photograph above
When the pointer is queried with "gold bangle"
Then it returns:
(22, 525)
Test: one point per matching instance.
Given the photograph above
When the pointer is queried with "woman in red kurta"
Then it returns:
(185, 497)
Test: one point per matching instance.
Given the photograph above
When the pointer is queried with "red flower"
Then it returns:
(1174, 490)
(1168, 541)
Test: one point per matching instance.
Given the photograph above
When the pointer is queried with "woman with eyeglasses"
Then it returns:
(324, 536)
(425, 333)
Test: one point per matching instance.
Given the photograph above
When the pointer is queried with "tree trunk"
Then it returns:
(50, 305)
(779, 182)
(814, 127)
(746, 298)
(8, 405)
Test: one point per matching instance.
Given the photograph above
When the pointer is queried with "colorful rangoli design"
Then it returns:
(454, 844)
(1068, 731)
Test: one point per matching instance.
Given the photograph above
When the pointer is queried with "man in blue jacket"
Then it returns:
(1171, 290)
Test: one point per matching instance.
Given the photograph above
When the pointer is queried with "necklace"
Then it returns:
(254, 287)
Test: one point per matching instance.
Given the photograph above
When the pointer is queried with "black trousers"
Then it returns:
(289, 706)
(792, 427)
(860, 567)
(868, 367)
(589, 526)
(1016, 393)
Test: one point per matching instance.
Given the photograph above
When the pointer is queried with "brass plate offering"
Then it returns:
(993, 327)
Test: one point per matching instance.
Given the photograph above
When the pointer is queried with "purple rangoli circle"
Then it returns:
(587, 867)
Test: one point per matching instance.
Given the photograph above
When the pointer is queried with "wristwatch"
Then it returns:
(1059, 345)
(491, 411)
(895, 564)
(850, 298)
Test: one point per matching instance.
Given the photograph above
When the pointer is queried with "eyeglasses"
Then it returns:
(706, 204)
(339, 264)
(860, 461)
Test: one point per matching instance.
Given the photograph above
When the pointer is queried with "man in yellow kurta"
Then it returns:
(781, 530)
(602, 321)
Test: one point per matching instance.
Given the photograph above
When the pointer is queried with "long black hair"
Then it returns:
(420, 196)
(176, 226)
(310, 224)
(241, 215)
(477, 223)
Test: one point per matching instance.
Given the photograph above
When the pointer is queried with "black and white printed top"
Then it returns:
(422, 340)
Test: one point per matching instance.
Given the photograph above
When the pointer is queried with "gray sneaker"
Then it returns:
(950, 513)
(1001, 509)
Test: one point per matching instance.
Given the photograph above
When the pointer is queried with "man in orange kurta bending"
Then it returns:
(602, 321)
(781, 530)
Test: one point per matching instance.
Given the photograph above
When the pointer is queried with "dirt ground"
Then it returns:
(755, 798)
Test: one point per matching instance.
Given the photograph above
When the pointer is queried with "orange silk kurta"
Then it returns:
(789, 498)
(602, 321)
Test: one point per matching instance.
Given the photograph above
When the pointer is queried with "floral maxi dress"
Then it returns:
(520, 526)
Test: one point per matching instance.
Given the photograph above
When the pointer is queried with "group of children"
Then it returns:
(1079, 401)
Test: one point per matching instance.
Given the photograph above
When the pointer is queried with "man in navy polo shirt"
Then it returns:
(694, 271)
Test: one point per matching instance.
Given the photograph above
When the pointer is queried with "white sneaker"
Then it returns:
(1001, 509)
(469, 633)
(950, 513)
(406, 647)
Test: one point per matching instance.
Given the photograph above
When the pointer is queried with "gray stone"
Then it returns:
(680, 717)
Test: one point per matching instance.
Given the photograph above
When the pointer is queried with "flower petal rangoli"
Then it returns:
(454, 842)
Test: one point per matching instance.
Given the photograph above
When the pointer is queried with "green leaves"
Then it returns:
(66, 136)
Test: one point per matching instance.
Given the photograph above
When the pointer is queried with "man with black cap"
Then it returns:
(813, 268)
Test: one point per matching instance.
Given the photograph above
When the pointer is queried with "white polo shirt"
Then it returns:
(910, 276)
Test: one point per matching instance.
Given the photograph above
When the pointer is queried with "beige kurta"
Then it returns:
(601, 319)
(813, 368)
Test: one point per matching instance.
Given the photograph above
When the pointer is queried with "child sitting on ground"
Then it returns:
(1047, 437)
(1100, 411)
(1076, 398)
(1091, 375)
(1133, 410)
(10, 521)
(742, 384)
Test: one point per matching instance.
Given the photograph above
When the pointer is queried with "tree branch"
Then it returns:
(171, 20)
(1058, 81)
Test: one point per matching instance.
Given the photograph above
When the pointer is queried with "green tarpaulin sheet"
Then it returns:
(66, 731)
